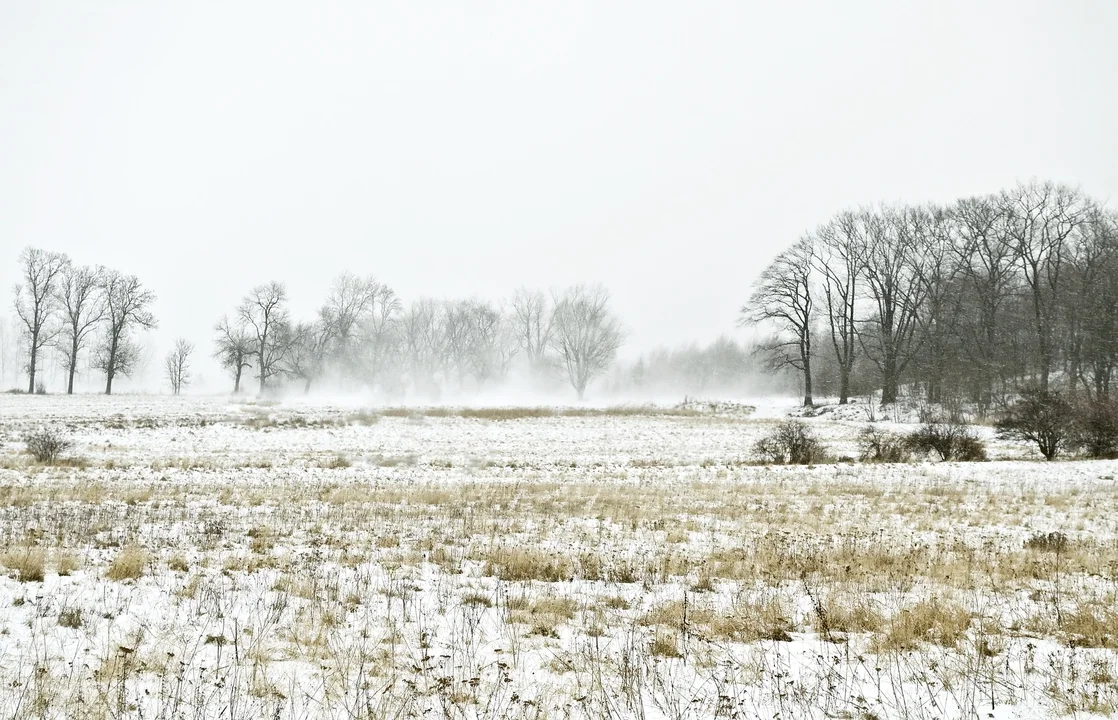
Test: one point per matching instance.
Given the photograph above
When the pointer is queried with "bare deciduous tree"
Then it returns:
(306, 358)
(893, 267)
(782, 297)
(378, 333)
(423, 343)
(176, 365)
(264, 312)
(531, 323)
(986, 266)
(127, 304)
(233, 349)
(1042, 217)
(36, 301)
(489, 346)
(82, 303)
(838, 261)
(585, 335)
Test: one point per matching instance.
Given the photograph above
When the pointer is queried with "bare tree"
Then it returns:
(127, 305)
(893, 268)
(423, 342)
(531, 325)
(233, 349)
(36, 301)
(177, 365)
(82, 303)
(264, 312)
(585, 335)
(1042, 217)
(307, 356)
(838, 260)
(986, 263)
(378, 333)
(489, 346)
(782, 298)
(938, 315)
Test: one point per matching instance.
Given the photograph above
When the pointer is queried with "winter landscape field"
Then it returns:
(204, 558)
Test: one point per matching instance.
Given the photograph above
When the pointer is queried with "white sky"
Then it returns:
(667, 149)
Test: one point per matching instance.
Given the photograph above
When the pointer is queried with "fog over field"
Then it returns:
(665, 152)
(523, 361)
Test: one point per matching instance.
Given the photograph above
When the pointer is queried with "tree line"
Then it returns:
(74, 308)
(966, 302)
(363, 335)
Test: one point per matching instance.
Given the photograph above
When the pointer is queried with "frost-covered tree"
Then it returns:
(585, 335)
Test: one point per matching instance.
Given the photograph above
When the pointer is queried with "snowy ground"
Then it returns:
(209, 559)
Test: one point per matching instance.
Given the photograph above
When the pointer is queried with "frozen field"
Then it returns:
(204, 559)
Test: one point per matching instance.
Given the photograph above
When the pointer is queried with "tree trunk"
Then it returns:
(110, 371)
(73, 366)
(805, 356)
(31, 367)
(237, 380)
(844, 386)
(889, 381)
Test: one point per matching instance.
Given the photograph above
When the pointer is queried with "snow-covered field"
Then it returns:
(206, 559)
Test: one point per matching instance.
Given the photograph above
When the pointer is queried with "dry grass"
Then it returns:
(29, 563)
(932, 620)
(129, 564)
(519, 565)
(435, 579)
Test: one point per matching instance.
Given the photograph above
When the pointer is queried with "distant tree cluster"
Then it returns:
(969, 302)
(724, 367)
(363, 335)
(82, 312)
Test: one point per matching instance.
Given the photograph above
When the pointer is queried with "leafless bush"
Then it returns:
(791, 443)
(948, 437)
(878, 445)
(1097, 428)
(47, 445)
(1042, 417)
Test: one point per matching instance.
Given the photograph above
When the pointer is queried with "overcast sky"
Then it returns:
(666, 149)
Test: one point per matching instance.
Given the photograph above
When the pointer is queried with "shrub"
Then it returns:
(950, 438)
(790, 443)
(1096, 428)
(47, 445)
(1042, 417)
(877, 445)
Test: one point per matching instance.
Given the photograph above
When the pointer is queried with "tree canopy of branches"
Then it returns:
(36, 301)
(969, 301)
(81, 300)
(265, 315)
(127, 304)
(233, 348)
(585, 334)
(783, 296)
(176, 365)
